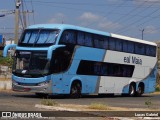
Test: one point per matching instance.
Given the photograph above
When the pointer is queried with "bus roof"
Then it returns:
(132, 39)
(66, 26)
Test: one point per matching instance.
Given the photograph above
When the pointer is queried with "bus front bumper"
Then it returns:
(45, 87)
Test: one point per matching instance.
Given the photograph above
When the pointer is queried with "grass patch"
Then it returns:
(6, 61)
(157, 88)
(49, 102)
(148, 103)
(99, 106)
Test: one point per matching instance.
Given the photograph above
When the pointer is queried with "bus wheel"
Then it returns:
(75, 90)
(132, 90)
(140, 90)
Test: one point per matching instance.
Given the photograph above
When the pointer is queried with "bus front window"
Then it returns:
(39, 37)
(31, 63)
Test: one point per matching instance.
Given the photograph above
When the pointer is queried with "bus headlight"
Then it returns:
(14, 82)
(43, 83)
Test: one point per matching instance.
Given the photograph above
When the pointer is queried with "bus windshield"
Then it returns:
(32, 64)
(38, 37)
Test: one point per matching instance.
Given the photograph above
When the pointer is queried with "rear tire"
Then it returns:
(75, 91)
(132, 90)
(139, 91)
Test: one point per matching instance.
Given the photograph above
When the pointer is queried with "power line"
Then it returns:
(33, 11)
(106, 15)
(131, 24)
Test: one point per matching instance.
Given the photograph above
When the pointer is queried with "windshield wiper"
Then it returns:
(37, 37)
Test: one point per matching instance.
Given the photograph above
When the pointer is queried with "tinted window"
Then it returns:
(68, 36)
(39, 36)
(84, 39)
(125, 46)
(105, 69)
(139, 48)
(98, 41)
(130, 47)
(80, 38)
(88, 39)
(119, 45)
(112, 44)
(151, 50)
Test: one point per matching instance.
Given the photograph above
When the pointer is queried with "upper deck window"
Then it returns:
(68, 37)
(38, 37)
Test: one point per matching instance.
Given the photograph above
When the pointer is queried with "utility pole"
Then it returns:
(18, 3)
(25, 18)
(142, 32)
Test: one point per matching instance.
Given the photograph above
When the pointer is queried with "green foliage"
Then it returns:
(148, 103)
(5, 61)
(158, 88)
(49, 102)
(98, 106)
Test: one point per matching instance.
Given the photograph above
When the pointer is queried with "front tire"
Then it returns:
(75, 91)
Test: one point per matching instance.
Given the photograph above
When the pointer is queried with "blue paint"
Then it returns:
(149, 83)
(62, 82)
(7, 47)
(31, 80)
(88, 53)
(48, 49)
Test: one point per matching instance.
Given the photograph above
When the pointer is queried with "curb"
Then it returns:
(56, 108)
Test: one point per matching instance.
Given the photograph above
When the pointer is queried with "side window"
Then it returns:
(118, 45)
(130, 47)
(151, 50)
(105, 44)
(139, 48)
(105, 69)
(112, 44)
(68, 36)
(98, 41)
(84, 39)
(80, 38)
(125, 44)
(88, 39)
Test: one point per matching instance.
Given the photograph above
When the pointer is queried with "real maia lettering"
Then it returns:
(133, 60)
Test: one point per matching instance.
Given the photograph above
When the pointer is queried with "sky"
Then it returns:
(125, 17)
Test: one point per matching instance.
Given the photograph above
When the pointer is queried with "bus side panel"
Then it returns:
(113, 85)
(151, 81)
(87, 53)
(62, 83)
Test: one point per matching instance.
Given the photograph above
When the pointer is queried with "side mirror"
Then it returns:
(7, 47)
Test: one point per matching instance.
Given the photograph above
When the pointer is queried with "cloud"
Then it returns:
(89, 19)
(150, 30)
(109, 25)
(57, 18)
(89, 16)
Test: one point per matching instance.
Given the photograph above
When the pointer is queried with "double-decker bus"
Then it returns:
(65, 59)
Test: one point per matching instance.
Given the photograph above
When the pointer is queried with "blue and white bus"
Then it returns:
(64, 59)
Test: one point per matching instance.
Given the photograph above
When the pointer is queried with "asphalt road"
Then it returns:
(20, 101)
